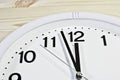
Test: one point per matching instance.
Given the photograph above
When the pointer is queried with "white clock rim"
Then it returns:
(7, 42)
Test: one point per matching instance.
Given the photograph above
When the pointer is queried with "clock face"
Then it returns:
(72, 48)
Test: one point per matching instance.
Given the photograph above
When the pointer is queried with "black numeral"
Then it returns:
(71, 36)
(24, 56)
(79, 35)
(15, 74)
(53, 39)
(46, 41)
(104, 40)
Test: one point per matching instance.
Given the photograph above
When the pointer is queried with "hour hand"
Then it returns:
(77, 56)
(76, 46)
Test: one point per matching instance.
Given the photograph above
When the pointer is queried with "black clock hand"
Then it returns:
(69, 50)
(76, 46)
(78, 75)
(77, 63)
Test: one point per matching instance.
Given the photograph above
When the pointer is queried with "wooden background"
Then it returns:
(15, 13)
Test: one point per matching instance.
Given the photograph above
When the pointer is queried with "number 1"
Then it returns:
(104, 40)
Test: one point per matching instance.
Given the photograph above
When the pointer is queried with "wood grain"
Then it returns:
(12, 18)
(24, 3)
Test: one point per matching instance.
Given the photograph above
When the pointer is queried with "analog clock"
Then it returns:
(67, 46)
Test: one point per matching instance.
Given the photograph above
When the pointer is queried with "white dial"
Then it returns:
(70, 46)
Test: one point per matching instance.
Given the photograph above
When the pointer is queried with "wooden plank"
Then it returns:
(13, 18)
(21, 3)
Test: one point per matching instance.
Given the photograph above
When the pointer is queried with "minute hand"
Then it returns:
(77, 63)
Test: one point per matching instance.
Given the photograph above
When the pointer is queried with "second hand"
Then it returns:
(62, 61)
(57, 57)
